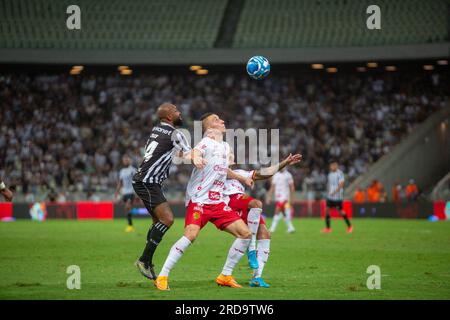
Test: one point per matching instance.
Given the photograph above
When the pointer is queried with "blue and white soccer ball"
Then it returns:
(258, 67)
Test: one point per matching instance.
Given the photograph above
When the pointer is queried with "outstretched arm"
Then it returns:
(267, 173)
(119, 185)
(247, 181)
(7, 194)
(195, 157)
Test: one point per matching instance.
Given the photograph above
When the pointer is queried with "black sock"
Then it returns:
(154, 237)
(346, 219)
(130, 222)
(327, 220)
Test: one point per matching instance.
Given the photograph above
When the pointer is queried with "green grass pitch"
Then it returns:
(414, 257)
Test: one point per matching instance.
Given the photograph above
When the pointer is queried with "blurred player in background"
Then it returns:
(125, 187)
(283, 186)
(205, 203)
(335, 196)
(250, 211)
(164, 143)
(412, 191)
(6, 193)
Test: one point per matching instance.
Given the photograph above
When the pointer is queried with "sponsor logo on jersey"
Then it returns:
(214, 195)
(198, 208)
(223, 170)
(168, 132)
(219, 183)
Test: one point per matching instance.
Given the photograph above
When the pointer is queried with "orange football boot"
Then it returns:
(162, 283)
(227, 281)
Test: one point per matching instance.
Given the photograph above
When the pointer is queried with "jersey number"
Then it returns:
(150, 149)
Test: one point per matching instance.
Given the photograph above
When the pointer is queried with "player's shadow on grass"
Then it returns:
(134, 284)
(178, 284)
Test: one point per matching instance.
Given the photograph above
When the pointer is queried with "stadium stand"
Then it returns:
(337, 23)
(111, 24)
(172, 24)
(59, 132)
(427, 147)
(442, 189)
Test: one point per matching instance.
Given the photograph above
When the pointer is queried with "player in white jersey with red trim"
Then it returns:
(284, 188)
(249, 209)
(205, 203)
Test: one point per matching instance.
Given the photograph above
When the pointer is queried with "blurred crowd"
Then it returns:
(62, 134)
(376, 193)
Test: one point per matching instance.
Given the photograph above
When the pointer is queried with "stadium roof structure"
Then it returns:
(221, 31)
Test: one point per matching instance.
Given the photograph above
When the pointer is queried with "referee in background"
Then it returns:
(335, 196)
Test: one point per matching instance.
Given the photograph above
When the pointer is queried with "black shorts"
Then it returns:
(334, 204)
(128, 197)
(150, 193)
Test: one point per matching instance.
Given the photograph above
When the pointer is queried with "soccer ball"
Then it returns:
(258, 67)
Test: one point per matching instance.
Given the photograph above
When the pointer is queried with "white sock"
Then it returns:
(235, 254)
(253, 224)
(276, 219)
(262, 254)
(288, 218)
(176, 252)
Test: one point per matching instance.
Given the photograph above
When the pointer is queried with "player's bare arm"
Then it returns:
(195, 157)
(7, 194)
(270, 171)
(119, 185)
(247, 181)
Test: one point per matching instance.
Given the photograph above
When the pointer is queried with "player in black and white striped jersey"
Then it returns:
(125, 186)
(164, 143)
(335, 196)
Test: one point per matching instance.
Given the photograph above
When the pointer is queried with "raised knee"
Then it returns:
(245, 234)
(191, 233)
(168, 220)
(191, 236)
(256, 204)
(263, 234)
